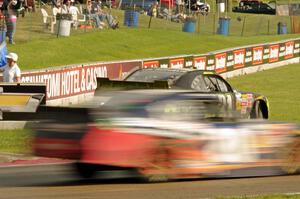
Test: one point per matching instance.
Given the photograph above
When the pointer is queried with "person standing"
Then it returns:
(11, 71)
(9, 9)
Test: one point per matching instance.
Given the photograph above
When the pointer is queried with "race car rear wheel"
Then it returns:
(85, 170)
(157, 169)
(291, 156)
(256, 112)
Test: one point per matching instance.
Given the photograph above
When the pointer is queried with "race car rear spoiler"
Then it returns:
(107, 84)
(20, 98)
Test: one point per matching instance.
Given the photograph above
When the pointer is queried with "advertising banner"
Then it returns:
(188, 62)
(200, 62)
(177, 63)
(239, 58)
(77, 80)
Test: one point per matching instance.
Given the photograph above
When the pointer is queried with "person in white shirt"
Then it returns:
(74, 11)
(11, 71)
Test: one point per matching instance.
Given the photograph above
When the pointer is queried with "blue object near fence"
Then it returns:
(224, 26)
(3, 53)
(2, 36)
(281, 28)
(131, 18)
(189, 26)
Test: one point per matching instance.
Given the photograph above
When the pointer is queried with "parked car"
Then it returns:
(254, 6)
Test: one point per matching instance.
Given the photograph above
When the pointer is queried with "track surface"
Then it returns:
(57, 181)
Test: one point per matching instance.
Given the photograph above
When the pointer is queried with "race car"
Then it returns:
(169, 124)
(169, 134)
(205, 83)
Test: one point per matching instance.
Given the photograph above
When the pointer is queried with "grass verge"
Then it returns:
(15, 141)
(280, 85)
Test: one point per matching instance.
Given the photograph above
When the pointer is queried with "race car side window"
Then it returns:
(210, 85)
(223, 85)
(220, 84)
(199, 84)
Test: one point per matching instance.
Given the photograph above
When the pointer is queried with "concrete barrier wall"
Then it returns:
(75, 84)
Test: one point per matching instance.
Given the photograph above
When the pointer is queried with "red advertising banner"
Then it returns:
(220, 60)
(274, 53)
(177, 63)
(78, 80)
(151, 64)
(257, 57)
(239, 58)
(200, 63)
(289, 50)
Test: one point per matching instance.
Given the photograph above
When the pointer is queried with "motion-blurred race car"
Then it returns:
(168, 134)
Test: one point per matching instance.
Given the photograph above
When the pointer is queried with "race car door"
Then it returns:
(218, 86)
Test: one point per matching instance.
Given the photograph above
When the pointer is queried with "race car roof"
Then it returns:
(160, 74)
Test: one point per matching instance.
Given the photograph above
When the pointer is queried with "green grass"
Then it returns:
(280, 85)
(37, 48)
(15, 141)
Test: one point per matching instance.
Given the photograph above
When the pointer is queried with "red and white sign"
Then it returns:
(257, 57)
(151, 64)
(220, 62)
(177, 63)
(77, 80)
(239, 58)
(289, 50)
(274, 53)
(200, 63)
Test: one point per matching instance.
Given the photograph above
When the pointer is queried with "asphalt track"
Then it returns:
(58, 181)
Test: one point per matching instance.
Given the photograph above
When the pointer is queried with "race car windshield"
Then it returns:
(153, 75)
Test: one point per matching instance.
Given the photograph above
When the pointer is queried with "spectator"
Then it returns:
(74, 11)
(92, 14)
(59, 10)
(103, 16)
(11, 72)
(9, 9)
(154, 9)
(179, 4)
